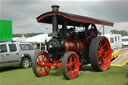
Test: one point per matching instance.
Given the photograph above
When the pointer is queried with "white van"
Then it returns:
(115, 40)
(125, 40)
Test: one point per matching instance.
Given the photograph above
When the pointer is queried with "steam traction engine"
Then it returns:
(74, 42)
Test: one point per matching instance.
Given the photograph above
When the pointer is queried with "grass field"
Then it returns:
(19, 76)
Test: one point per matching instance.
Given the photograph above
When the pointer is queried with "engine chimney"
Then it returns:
(55, 8)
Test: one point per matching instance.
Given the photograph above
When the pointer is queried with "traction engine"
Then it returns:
(74, 42)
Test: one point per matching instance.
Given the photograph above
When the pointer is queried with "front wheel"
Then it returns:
(100, 53)
(39, 62)
(70, 65)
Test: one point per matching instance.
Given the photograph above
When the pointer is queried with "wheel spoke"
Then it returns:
(99, 61)
(100, 46)
(40, 71)
(70, 59)
(105, 62)
(45, 69)
(71, 71)
(38, 58)
(68, 65)
(105, 54)
(43, 58)
(104, 45)
(99, 56)
(98, 53)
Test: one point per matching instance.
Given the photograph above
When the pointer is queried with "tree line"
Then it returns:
(122, 32)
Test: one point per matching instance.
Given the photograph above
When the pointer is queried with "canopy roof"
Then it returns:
(71, 19)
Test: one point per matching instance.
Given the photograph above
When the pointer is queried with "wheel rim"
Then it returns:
(72, 66)
(26, 63)
(41, 69)
(104, 54)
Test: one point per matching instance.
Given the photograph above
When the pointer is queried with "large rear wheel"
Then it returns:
(100, 53)
(70, 65)
(38, 65)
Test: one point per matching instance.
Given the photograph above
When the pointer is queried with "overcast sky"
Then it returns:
(23, 13)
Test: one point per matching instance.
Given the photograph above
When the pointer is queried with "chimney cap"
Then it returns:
(55, 7)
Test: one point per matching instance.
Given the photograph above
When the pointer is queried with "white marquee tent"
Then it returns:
(39, 38)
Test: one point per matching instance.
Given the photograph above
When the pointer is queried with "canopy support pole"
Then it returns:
(103, 30)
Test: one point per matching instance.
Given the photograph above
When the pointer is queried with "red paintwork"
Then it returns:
(104, 48)
(43, 64)
(40, 61)
(55, 64)
(72, 60)
(72, 17)
(74, 45)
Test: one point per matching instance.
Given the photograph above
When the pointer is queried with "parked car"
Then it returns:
(12, 53)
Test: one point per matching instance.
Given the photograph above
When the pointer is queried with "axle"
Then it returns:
(55, 64)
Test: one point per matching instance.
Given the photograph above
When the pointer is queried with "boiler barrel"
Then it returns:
(74, 45)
